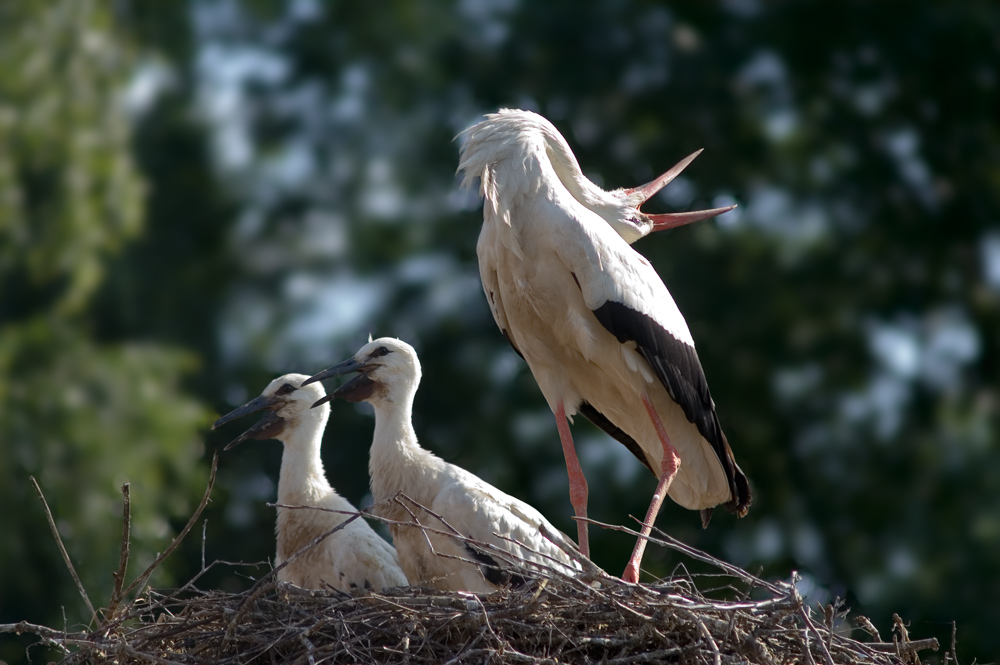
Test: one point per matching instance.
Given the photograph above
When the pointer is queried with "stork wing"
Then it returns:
(630, 301)
(486, 514)
(677, 367)
(491, 286)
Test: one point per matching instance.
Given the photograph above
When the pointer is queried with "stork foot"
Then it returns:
(631, 574)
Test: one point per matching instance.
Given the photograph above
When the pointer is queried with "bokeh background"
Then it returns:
(198, 196)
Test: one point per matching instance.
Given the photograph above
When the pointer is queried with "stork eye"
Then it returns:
(379, 352)
(286, 388)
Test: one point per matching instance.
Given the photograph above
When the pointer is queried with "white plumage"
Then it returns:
(388, 379)
(591, 317)
(353, 558)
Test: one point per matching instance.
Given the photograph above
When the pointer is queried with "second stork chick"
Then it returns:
(353, 558)
(389, 373)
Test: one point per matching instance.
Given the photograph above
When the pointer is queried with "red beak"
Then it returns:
(672, 219)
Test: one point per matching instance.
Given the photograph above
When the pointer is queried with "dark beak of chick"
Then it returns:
(267, 427)
(357, 389)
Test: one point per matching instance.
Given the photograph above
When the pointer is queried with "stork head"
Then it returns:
(287, 403)
(509, 134)
(388, 371)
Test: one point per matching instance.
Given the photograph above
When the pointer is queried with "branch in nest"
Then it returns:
(119, 575)
(62, 550)
(141, 580)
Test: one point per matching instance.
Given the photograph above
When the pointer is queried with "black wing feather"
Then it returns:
(677, 366)
(492, 571)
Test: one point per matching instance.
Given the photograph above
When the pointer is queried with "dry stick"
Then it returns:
(141, 580)
(589, 567)
(62, 549)
(58, 639)
(954, 641)
(805, 646)
(830, 614)
(667, 540)
(310, 648)
(119, 575)
(732, 619)
(866, 625)
(716, 656)
(204, 537)
(912, 646)
(804, 613)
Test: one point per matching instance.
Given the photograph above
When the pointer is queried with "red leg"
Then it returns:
(577, 482)
(668, 469)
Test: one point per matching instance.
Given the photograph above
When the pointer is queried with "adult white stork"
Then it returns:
(591, 317)
(389, 373)
(354, 557)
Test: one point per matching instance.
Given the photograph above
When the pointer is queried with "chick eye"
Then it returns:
(379, 352)
(285, 389)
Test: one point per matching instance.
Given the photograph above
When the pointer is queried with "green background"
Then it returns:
(196, 197)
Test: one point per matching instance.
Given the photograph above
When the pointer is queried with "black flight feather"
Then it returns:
(492, 571)
(677, 366)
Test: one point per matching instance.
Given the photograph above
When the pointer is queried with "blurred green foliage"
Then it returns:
(300, 193)
(79, 413)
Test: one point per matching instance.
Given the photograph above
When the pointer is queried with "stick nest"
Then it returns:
(552, 618)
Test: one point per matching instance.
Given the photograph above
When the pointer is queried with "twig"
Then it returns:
(119, 575)
(703, 629)
(866, 625)
(805, 647)
(559, 540)
(44, 632)
(829, 615)
(204, 530)
(62, 549)
(141, 580)
(804, 613)
(310, 649)
(667, 540)
(910, 647)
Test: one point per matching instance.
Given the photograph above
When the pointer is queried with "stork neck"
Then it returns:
(568, 170)
(396, 456)
(394, 425)
(302, 477)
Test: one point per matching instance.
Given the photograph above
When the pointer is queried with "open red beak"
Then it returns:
(672, 219)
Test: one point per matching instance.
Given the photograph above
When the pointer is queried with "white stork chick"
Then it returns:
(597, 327)
(618, 207)
(388, 380)
(353, 558)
